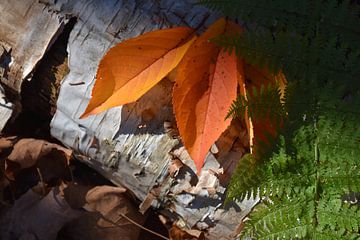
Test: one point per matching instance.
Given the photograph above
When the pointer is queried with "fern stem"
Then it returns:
(317, 179)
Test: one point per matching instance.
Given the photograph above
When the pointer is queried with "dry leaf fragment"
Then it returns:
(175, 166)
(171, 130)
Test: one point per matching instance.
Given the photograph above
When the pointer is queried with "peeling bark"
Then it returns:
(127, 144)
(29, 29)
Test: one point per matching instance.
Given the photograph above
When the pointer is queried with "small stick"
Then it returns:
(142, 227)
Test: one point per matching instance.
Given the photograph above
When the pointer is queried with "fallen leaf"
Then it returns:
(134, 66)
(243, 91)
(176, 233)
(50, 158)
(103, 199)
(53, 165)
(259, 77)
(38, 217)
(106, 206)
(204, 90)
(75, 194)
(109, 201)
(256, 79)
(6, 144)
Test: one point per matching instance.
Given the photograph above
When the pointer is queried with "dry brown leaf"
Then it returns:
(107, 206)
(27, 151)
(40, 217)
(50, 158)
(175, 233)
(104, 199)
(53, 165)
(75, 194)
(6, 144)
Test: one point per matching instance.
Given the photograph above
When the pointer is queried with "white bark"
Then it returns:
(126, 144)
(6, 109)
(28, 29)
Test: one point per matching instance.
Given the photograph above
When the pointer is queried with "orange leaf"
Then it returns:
(133, 67)
(205, 88)
(259, 77)
(243, 90)
(262, 76)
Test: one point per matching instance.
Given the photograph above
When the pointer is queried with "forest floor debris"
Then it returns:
(46, 194)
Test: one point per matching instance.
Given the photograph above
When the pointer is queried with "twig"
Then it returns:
(133, 222)
(115, 224)
(41, 182)
(142, 227)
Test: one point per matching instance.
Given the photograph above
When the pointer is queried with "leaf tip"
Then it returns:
(87, 113)
(84, 115)
(199, 163)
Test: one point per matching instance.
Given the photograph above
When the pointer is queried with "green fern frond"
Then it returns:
(329, 19)
(298, 58)
(246, 179)
(259, 104)
(284, 219)
(306, 180)
(327, 234)
(337, 215)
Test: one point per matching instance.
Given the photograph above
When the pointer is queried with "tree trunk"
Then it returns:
(127, 144)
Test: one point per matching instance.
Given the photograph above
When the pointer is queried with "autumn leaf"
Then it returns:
(261, 76)
(258, 129)
(134, 66)
(50, 158)
(176, 233)
(6, 145)
(243, 91)
(206, 82)
(206, 85)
